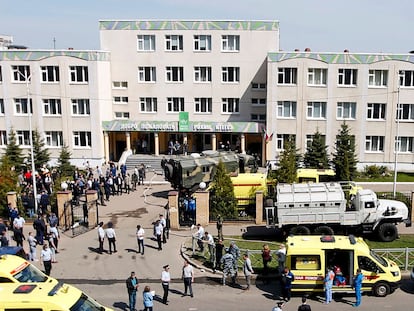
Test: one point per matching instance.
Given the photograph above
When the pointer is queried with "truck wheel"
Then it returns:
(324, 230)
(300, 230)
(387, 232)
(381, 289)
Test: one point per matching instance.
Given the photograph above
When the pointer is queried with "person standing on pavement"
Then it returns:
(148, 299)
(286, 283)
(219, 254)
(40, 226)
(357, 284)
(304, 306)
(278, 306)
(281, 258)
(164, 228)
(132, 285)
(211, 245)
(235, 251)
(46, 257)
(199, 235)
(267, 258)
(32, 247)
(328, 283)
(247, 270)
(158, 233)
(165, 281)
(227, 262)
(188, 278)
(140, 239)
(110, 234)
(101, 237)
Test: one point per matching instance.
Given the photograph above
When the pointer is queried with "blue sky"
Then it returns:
(322, 25)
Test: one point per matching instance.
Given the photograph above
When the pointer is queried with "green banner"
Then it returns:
(183, 123)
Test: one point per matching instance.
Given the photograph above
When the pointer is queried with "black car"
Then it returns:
(13, 250)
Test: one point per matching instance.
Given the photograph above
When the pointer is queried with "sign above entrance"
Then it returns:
(183, 122)
(148, 126)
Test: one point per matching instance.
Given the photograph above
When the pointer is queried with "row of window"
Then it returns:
(48, 74)
(80, 107)
(344, 110)
(404, 144)
(346, 77)
(81, 139)
(175, 43)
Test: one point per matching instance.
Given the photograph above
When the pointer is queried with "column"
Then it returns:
(213, 142)
(128, 140)
(243, 143)
(202, 198)
(64, 211)
(259, 207)
(173, 209)
(157, 144)
(106, 146)
(92, 208)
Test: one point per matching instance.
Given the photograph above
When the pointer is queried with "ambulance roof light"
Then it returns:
(327, 239)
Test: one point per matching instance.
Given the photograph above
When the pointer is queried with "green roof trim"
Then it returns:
(30, 55)
(189, 25)
(340, 58)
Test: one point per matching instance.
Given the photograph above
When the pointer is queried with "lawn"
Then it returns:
(401, 177)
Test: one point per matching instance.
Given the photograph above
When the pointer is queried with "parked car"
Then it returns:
(13, 250)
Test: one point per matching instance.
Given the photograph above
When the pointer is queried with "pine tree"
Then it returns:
(344, 157)
(8, 182)
(64, 167)
(223, 202)
(316, 155)
(13, 151)
(40, 153)
(289, 162)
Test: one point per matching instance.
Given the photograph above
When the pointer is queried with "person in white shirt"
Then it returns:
(110, 234)
(200, 235)
(46, 256)
(140, 238)
(188, 278)
(164, 230)
(101, 237)
(158, 233)
(208, 238)
(165, 281)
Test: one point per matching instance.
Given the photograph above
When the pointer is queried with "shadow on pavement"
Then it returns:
(263, 233)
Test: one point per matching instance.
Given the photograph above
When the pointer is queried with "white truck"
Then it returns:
(322, 208)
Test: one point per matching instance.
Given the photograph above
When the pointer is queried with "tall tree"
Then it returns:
(40, 153)
(8, 182)
(13, 151)
(316, 155)
(344, 158)
(65, 168)
(289, 161)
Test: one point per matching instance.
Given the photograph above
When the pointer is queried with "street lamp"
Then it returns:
(397, 136)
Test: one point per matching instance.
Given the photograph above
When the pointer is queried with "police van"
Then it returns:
(15, 269)
(45, 297)
(308, 257)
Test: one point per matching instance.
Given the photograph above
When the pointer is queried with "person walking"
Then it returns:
(165, 281)
(132, 285)
(357, 284)
(46, 257)
(188, 278)
(101, 237)
(328, 283)
(140, 239)
(235, 251)
(304, 306)
(227, 262)
(286, 280)
(158, 233)
(40, 226)
(163, 222)
(110, 234)
(247, 270)
(211, 245)
(32, 247)
(148, 299)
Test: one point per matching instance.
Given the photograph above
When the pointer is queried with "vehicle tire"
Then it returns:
(324, 230)
(168, 171)
(387, 232)
(381, 289)
(300, 230)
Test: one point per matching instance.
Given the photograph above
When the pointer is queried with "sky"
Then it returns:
(360, 26)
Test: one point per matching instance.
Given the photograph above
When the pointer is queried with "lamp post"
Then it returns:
(397, 138)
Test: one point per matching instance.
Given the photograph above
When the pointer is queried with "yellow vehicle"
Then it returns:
(246, 184)
(14, 269)
(45, 297)
(304, 175)
(308, 257)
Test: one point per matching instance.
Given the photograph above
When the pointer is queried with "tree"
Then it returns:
(8, 182)
(344, 157)
(223, 202)
(13, 151)
(316, 155)
(64, 167)
(40, 154)
(289, 162)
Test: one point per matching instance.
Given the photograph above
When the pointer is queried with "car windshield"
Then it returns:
(30, 274)
(381, 260)
(86, 304)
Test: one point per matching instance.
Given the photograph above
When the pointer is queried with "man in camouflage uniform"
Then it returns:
(227, 261)
(235, 251)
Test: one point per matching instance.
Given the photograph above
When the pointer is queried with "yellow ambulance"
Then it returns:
(45, 297)
(14, 269)
(308, 257)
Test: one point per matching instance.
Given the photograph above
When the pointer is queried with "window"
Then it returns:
(407, 78)
(120, 100)
(230, 105)
(54, 139)
(258, 117)
(406, 112)
(78, 74)
(258, 101)
(202, 74)
(52, 107)
(1, 106)
(50, 73)
(347, 77)
(80, 107)
(317, 76)
(286, 109)
(121, 115)
(374, 143)
(305, 262)
(21, 73)
(203, 105)
(404, 144)
(146, 43)
(175, 104)
(346, 111)
(82, 139)
(23, 137)
(316, 110)
(119, 84)
(174, 43)
(148, 104)
(376, 111)
(174, 74)
(259, 86)
(230, 43)
(202, 43)
(147, 74)
(378, 78)
(21, 107)
(309, 140)
(3, 138)
(287, 75)
(281, 139)
(230, 74)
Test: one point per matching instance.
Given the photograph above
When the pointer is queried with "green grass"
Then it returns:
(405, 240)
(401, 177)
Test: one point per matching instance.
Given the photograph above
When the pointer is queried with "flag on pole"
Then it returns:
(267, 137)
